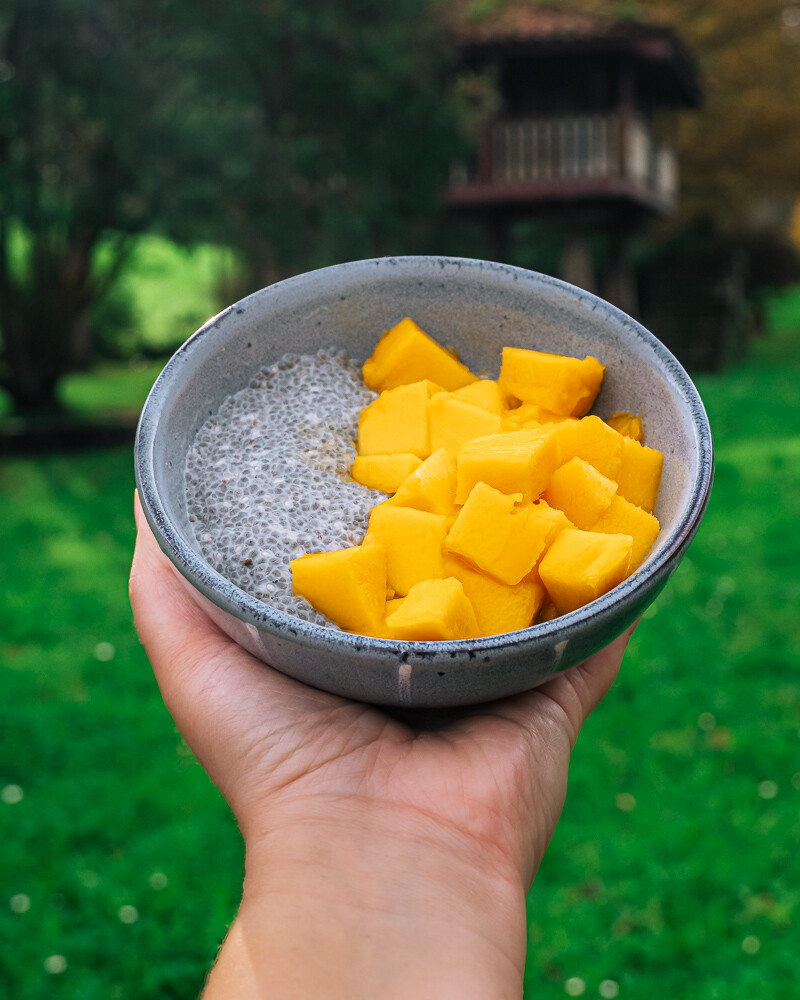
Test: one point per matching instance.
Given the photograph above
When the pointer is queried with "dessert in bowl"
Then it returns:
(477, 308)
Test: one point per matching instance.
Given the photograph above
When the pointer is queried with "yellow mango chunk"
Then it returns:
(431, 487)
(515, 462)
(532, 413)
(406, 354)
(580, 491)
(452, 423)
(639, 474)
(592, 440)
(484, 393)
(347, 585)
(621, 516)
(382, 630)
(384, 472)
(581, 566)
(413, 541)
(557, 383)
(434, 610)
(626, 424)
(397, 421)
(496, 535)
(498, 607)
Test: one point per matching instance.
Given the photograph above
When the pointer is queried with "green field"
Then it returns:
(674, 872)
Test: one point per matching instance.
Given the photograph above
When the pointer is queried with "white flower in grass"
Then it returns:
(751, 944)
(55, 964)
(767, 789)
(11, 794)
(128, 914)
(575, 987)
(20, 903)
(104, 651)
(608, 989)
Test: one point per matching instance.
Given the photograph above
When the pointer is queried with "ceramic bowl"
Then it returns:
(478, 307)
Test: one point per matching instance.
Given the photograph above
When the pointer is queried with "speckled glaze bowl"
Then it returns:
(478, 308)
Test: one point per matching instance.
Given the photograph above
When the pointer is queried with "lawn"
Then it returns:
(673, 873)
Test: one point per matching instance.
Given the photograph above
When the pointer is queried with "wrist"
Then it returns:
(368, 902)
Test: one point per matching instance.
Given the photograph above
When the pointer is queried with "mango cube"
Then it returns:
(626, 424)
(592, 440)
(413, 541)
(515, 462)
(581, 566)
(560, 384)
(406, 354)
(431, 486)
(452, 423)
(484, 393)
(532, 413)
(623, 516)
(434, 610)
(347, 585)
(499, 607)
(397, 421)
(496, 535)
(384, 472)
(580, 491)
(639, 474)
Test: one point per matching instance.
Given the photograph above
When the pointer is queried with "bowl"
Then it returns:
(478, 307)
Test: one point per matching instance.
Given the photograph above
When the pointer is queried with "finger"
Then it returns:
(579, 690)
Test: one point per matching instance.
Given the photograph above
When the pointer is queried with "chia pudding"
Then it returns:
(268, 476)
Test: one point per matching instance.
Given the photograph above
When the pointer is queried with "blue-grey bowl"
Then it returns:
(477, 307)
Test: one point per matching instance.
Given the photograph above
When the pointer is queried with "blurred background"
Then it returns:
(160, 159)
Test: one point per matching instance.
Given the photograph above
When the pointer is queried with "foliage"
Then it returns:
(296, 134)
(95, 145)
(344, 130)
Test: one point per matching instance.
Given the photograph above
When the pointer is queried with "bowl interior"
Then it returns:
(475, 307)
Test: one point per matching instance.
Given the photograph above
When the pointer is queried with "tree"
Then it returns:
(300, 134)
(91, 147)
(346, 127)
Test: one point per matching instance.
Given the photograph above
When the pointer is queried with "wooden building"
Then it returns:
(581, 137)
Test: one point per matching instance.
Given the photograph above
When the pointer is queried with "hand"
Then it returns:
(390, 851)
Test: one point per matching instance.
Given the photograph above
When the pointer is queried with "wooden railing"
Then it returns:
(563, 150)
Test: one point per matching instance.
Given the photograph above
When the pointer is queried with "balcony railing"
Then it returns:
(580, 154)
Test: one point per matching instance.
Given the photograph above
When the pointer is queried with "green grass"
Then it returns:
(672, 850)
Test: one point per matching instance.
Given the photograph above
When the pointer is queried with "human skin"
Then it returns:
(382, 858)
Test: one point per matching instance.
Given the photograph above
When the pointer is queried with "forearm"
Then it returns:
(337, 911)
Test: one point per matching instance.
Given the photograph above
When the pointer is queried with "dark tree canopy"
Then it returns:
(299, 134)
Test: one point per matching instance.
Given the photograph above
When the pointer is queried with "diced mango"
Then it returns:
(397, 421)
(516, 462)
(413, 541)
(532, 413)
(406, 354)
(580, 491)
(581, 566)
(434, 610)
(639, 474)
(452, 423)
(498, 607)
(347, 585)
(626, 424)
(623, 516)
(592, 440)
(496, 535)
(560, 384)
(384, 472)
(484, 393)
(431, 487)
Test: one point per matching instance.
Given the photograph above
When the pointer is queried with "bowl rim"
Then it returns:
(250, 610)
